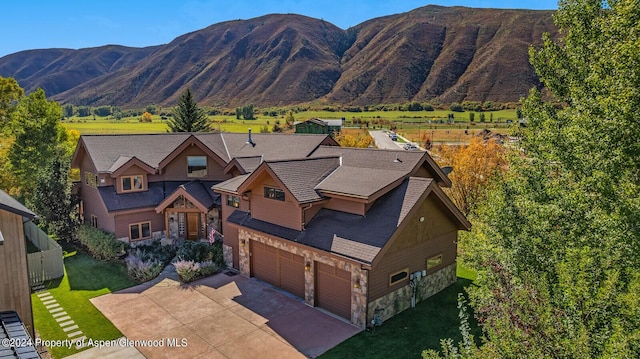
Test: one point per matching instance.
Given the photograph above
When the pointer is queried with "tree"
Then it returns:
(354, 138)
(475, 167)
(146, 117)
(187, 116)
(248, 112)
(53, 201)
(67, 110)
(472, 116)
(38, 135)
(557, 245)
(289, 119)
(10, 93)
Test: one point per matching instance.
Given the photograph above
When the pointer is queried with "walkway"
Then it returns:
(67, 324)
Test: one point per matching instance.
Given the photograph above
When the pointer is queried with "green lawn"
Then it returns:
(84, 279)
(414, 330)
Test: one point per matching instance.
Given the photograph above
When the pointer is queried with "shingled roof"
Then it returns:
(10, 204)
(358, 237)
(109, 152)
(301, 176)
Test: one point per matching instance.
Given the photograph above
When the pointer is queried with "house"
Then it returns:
(362, 233)
(148, 187)
(318, 126)
(15, 293)
(358, 232)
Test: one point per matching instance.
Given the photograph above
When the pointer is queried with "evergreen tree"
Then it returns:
(188, 117)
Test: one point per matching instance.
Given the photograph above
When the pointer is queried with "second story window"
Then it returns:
(274, 193)
(233, 201)
(196, 166)
(132, 183)
(90, 179)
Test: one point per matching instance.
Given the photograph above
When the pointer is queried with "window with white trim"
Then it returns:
(274, 193)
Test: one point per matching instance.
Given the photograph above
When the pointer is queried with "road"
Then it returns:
(383, 141)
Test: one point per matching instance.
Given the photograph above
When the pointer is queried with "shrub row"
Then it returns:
(198, 259)
(191, 270)
(147, 262)
(102, 245)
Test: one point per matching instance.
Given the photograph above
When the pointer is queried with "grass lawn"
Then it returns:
(414, 330)
(84, 279)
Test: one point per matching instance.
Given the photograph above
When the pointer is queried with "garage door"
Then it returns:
(277, 267)
(333, 290)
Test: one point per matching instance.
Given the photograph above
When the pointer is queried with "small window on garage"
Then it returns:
(398, 277)
(434, 261)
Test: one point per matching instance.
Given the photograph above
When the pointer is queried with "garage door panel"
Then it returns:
(333, 290)
(279, 268)
(264, 264)
(292, 275)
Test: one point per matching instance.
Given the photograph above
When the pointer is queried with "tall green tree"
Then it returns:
(187, 116)
(53, 201)
(10, 93)
(557, 244)
(38, 138)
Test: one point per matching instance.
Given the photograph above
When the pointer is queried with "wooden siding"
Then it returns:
(285, 213)
(310, 212)
(122, 221)
(15, 293)
(177, 169)
(91, 200)
(344, 205)
(411, 247)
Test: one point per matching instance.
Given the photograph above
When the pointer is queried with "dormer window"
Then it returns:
(132, 183)
(196, 166)
(274, 193)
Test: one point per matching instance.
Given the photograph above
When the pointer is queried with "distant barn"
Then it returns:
(318, 126)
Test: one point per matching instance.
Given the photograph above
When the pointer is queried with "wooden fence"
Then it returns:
(47, 263)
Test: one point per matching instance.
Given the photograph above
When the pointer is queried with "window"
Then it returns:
(132, 183)
(274, 193)
(233, 201)
(398, 277)
(196, 166)
(140, 231)
(90, 179)
(434, 261)
(94, 221)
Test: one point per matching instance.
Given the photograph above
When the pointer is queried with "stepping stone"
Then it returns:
(74, 334)
(49, 302)
(67, 323)
(68, 329)
(42, 294)
(52, 306)
(59, 314)
(66, 317)
(55, 310)
(81, 344)
(48, 297)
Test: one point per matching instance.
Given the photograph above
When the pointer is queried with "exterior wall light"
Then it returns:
(242, 243)
(357, 283)
(307, 266)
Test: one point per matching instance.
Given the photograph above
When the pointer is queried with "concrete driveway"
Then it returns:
(221, 316)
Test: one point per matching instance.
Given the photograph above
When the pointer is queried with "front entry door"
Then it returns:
(192, 225)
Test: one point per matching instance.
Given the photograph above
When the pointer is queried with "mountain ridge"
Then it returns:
(430, 54)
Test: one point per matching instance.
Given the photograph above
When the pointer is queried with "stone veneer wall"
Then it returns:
(400, 300)
(359, 277)
(227, 252)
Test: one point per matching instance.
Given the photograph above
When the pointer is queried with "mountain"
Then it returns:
(432, 53)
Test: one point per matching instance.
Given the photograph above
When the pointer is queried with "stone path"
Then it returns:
(64, 320)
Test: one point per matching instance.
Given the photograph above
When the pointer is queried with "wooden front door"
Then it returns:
(192, 225)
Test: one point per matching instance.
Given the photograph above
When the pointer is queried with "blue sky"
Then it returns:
(38, 24)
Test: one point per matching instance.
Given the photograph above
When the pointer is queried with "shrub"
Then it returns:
(191, 270)
(201, 252)
(140, 269)
(101, 245)
(455, 107)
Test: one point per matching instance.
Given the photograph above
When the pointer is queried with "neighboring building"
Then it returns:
(318, 126)
(352, 231)
(15, 294)
(15, 341)
(145, 187)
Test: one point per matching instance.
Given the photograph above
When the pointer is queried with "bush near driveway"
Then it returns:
(147, 262)
(195, 260)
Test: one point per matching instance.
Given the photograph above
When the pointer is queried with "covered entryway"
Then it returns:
(333, 289)
(277, 267)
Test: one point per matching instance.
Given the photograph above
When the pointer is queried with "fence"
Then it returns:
(47, 263)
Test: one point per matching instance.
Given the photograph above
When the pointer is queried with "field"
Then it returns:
(416, 126)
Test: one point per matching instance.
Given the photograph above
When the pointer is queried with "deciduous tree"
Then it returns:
(10, 93)
(354, 138)
(188, 116)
